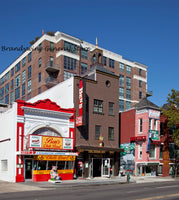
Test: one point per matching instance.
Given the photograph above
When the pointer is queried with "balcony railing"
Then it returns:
(52, 67)
(51, 81)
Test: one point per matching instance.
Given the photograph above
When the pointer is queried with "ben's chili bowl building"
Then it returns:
(34, 137)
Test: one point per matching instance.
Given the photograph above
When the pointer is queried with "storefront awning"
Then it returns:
(47, 153)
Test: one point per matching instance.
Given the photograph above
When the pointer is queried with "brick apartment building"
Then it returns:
(55, 58)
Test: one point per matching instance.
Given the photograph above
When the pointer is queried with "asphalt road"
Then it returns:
(144, 191)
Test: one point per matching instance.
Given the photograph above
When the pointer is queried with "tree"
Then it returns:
(171, 111)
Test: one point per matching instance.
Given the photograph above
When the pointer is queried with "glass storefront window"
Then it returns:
(50, 164)
(61, 165)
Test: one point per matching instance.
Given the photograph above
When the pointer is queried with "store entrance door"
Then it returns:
(106, 167)
(28, 169)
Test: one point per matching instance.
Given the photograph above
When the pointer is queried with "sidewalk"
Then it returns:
(6, 187)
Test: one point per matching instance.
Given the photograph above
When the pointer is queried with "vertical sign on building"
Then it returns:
(79, 119)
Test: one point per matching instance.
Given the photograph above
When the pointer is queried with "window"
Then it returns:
(128, 94)
(128, 82)
(111, 63)
(161, 128)
(111, 108)
(128, 69)
(121, 93)
(140, 151)
(160, 169)
(121, 80)
(12, 72)
(98, 106)
(23, 89)
(97, 131)
(23, 76)
(28, 96)
(110, 133)
(12, 84)
(17, 67)
(2, 100)
(152, 151)
(51, 46)
(39, 90)
(7, 99)
(68, 75)
(84, 53)
(172, 151)
(40, 47)
(70, 63)
(140, 95)
(161, 152)
(29, 56)
(104, 60)
(17, 93)
(39, 77)
(2, 80)
(17, 81)
(155, 124)
(7, 88)
(140, 72)
(12, 97)
(128, 105)
(150, 124)
(4, 165)
(29, 71)
(140, 125)
(84, 68)
(121, 67)
(72, 48)
(23, 62)
(29, 86)
(7, 76)
(121, 105)
(40, 62)
(2, 92)
(140, 83)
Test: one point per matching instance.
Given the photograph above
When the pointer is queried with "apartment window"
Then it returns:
(140, 125)
(29, 86)
(40, 77)
(40, 62)
(40, 47)
(12, 72)
(111, 108)
(29, 71)
(7, 99)
(140, 151)
(161, 152)
(140, 72)
(39, 90)
(51, 46)
(28, 96)
(128, 105)
(7, 76)
(161, 128)
(121, 80)
(2, 80)
(128, 82)
(68, 75)
(110, 133)
(17, 93)
(4, 165)
(172, 151)
(70, 63)
(2, 92)
(84, 53)
(29, 56)
(17, 81)
(121, 67)
(121, 93)
(150, 124)
(98, 106)
(111, 63)
(84, 68)
(23, 62)
(2, 100)
(72, 48)
(97, 132)
(23, 76)
(7, 88)
(152, 151)
(155, 124)
(17, 67)
(128, 94)
(140, 83)
(104, 60)
(140, 95)
(121, 105)
(128, 69)
(12, 97)
(12, 84)
(23, 89)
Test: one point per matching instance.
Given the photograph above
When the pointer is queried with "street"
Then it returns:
(143, 191)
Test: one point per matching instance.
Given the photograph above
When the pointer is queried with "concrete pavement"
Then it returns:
(6, 187)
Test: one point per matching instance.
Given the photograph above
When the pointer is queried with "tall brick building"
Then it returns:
(55, 58)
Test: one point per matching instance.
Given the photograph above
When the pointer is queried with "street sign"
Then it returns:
(154, 134)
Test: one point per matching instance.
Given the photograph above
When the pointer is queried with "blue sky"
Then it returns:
(146, 31)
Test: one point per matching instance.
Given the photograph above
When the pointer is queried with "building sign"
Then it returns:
(154, 114)
(154, 134)
(49, 142)
(52, 157)
(79, 119)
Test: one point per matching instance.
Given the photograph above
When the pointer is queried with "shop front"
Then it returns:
(147, 168)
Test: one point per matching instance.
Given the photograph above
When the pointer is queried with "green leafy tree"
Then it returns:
(172, 114)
